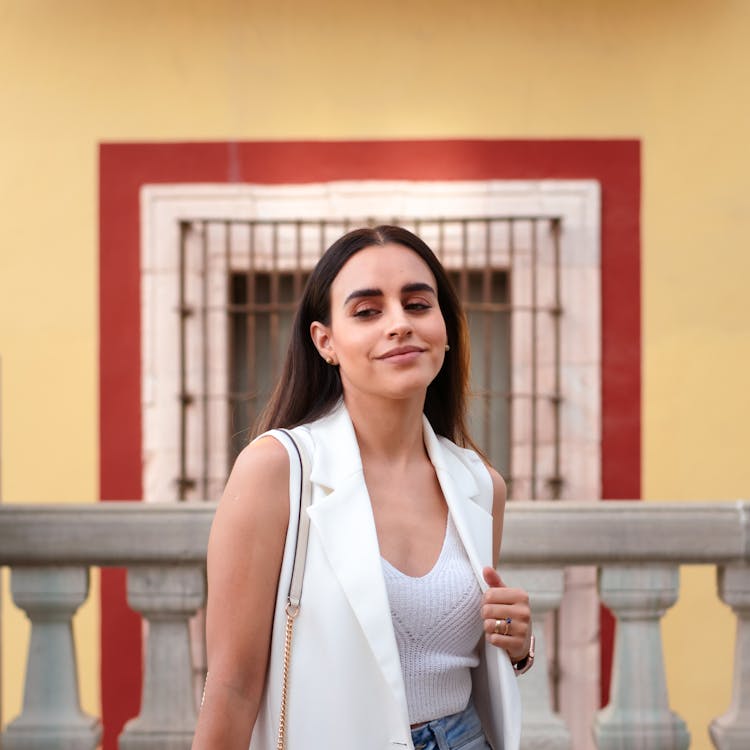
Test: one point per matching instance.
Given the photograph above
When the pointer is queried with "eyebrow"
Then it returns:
(417, 286)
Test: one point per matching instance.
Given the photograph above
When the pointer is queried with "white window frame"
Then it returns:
(576, 202)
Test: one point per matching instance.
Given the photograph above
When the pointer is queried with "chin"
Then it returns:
(417, 389)
(398, 385)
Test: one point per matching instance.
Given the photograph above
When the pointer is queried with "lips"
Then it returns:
(401, 352)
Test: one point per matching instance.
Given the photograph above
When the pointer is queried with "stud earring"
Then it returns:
(447, 347)
(329, 360)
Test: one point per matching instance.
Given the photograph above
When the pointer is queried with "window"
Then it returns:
(239, 284)
(222, 267)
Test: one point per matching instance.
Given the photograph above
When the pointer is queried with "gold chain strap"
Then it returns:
(295, 584)
(291, 613)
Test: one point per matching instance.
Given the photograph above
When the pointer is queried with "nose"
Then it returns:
(399, 331)
(399, 325)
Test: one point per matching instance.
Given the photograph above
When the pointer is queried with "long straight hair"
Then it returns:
(309, 388)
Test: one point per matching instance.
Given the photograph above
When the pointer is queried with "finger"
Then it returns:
(507, 596)
(498, 626)
(492, 577)
(520, 615)
(492, 611)
(515, 647)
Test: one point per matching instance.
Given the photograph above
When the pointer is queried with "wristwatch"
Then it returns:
(524, 665)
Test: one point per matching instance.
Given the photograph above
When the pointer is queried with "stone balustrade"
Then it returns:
(637, 549)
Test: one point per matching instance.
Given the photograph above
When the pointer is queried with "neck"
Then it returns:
(387, 429)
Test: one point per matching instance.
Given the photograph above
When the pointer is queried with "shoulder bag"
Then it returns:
(295, 586)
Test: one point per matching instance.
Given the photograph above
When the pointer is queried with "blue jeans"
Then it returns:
(461, 731)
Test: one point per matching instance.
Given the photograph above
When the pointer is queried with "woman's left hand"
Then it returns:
(506, 609)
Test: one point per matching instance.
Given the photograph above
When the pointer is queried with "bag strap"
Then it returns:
(298, 571)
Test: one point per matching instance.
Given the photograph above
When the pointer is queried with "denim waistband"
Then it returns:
(451, 732)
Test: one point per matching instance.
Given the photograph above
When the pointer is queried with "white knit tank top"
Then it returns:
(438, 626)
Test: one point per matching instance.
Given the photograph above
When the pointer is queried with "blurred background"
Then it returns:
(193, 156)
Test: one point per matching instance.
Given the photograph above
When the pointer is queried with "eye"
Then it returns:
(365, 312)
(417, 305)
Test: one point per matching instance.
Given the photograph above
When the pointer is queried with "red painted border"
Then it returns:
(125, 167)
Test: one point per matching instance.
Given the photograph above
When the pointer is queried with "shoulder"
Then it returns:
(266, 454)
(261, 466)
(257, 491)
(499, 491)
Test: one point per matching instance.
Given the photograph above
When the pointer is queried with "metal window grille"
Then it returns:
(239, 285)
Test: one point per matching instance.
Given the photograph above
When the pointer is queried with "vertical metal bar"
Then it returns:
(464, 278)
(556, 676)
(534, 344)
(487, 333)
(274, 302)
(556, 227)
(297, 278)
(204, 364)
(230, 379)
(511, 317)
(556, 482)
(182, 312)
(252, 377)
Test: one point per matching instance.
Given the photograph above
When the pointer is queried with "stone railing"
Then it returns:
(636, 547)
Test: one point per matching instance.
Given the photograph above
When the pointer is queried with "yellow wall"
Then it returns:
(675, 74)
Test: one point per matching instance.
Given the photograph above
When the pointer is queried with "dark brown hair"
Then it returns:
(309, 387)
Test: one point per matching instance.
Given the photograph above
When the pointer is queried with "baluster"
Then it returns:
(732, 730)
(51, 715)
(638, 715)
(166, 597)
(542, 729)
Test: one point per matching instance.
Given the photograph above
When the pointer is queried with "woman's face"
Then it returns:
(386, 333)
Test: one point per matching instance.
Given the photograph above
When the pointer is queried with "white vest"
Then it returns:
(346, 686)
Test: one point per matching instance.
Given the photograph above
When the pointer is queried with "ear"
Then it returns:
(321, 336)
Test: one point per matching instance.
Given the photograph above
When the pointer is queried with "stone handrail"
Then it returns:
(637, 548)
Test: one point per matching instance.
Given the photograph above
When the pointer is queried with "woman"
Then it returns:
(399, 584)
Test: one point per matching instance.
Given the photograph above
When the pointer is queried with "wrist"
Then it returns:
(524, 665)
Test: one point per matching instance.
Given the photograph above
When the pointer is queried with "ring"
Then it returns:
(506, 629)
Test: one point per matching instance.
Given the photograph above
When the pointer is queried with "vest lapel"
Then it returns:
(496, 691)
(473, 523)
(341, 515)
